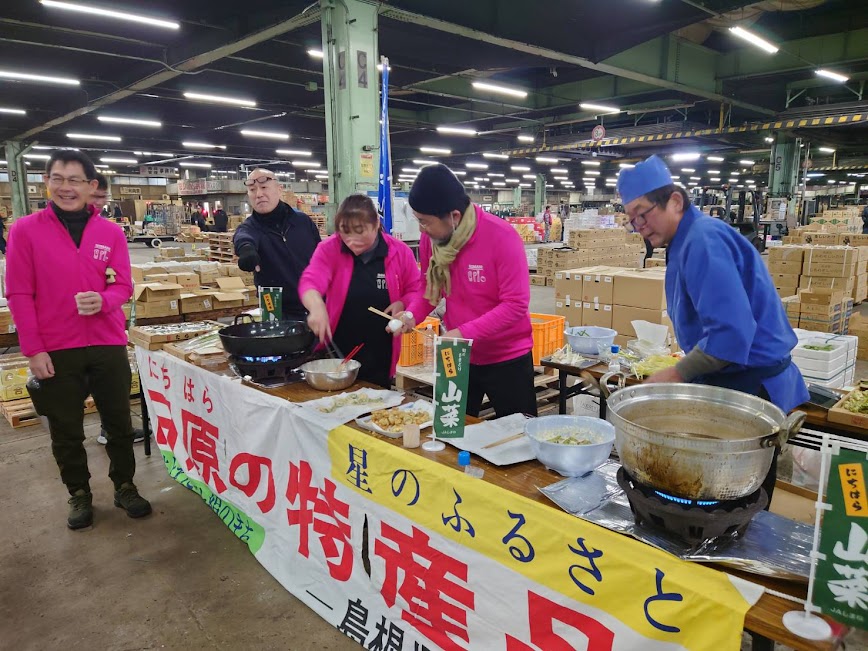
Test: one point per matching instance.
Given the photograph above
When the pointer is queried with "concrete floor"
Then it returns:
(177, 579)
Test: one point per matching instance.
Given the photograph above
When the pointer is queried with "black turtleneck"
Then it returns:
(274, 220)
(74, 221)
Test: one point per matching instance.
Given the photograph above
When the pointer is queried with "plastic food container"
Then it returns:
(570, 460)
(590, 340)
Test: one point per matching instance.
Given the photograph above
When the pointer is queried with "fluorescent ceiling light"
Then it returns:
(562, 178)
(827, 150)
(713, 171)
(745, 162)
(92, 136)
(141, 123)
(550, 185)
(316, 54)
(503, 90)
(294, 152)
(528, 176)
(591, 163)
(812, 175)
(602, 108)
(422, 161)
(13, 111)
(687, 169)
(39, 156)
(626, 166)
(459, 172)
(715, 159)
(559, 170)
(734, 173)
(476, 166)
(753, 39)
(498, 183)
(693, 183)
(716, 179)
(524, 185)
(513, 180)
(435, 150)
(545, 159)
(410, 170)
(277, 135)
(686, 156)
(185, 164)
(305, 163)
(202, 145)
(220, 99)
(733, 180)
(154, 153)
(489, 154)
(592, 173)
(24, 76)
(523, 138)
(830, 181)
(99, 167)
(769, 139)
(121, 161)
(832, 75)
(695, 178)
(519, 168)
(458, 131)
(496, 174)
(108, 13)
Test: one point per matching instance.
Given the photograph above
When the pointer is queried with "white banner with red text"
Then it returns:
(401, 552)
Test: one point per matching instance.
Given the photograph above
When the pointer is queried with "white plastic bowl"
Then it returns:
(570, 460)
(590, 340)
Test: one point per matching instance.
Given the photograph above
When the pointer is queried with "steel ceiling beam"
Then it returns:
(190, 64)
(702, 65)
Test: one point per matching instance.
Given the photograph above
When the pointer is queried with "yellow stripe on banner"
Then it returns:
(445, 501)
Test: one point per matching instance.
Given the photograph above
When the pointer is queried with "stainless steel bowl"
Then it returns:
(329, 375)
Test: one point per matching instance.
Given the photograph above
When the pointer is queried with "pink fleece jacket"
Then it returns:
(490, 296)
(331, 270)
(44, 272)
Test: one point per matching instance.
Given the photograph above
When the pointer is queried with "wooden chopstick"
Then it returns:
(382, 314)
(514, 437)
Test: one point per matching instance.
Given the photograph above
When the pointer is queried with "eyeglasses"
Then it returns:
(261, 181)
(635, 222)
(74, 181)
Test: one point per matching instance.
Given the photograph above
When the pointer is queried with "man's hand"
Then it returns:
(88, 303)
(248, 259)
(455, 333)
(666, 375)
(395, 308)
(41, 366)
(318, 321)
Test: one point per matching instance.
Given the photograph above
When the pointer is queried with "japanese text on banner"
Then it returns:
(450, 386)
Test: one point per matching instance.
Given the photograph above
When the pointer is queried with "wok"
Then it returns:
(268, 339)
(696, 441)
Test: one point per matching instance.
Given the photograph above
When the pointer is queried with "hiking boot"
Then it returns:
(127, 498)
(80, 510)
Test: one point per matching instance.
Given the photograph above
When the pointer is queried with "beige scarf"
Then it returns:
(438, 280)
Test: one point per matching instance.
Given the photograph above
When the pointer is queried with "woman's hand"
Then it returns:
(395, 308)
(409, 322)
(318, 321)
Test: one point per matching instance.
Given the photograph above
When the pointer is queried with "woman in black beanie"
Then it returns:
(477, 262)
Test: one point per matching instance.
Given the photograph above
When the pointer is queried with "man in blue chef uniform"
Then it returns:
(727, 315)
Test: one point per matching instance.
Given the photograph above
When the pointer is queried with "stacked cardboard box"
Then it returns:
(612, 298)
(6, 324)
(846, 219)
(155, 337)
(858, 327)
(154, 300)
(14, 373)
(824, 310)
(826, 267)
(592, 247)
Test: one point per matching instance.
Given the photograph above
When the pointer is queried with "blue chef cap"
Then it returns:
(649, 175)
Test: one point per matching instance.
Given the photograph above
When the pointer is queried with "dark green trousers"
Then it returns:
(104, 373)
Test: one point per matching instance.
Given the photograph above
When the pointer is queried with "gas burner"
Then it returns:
(268, 372)
(693, 521)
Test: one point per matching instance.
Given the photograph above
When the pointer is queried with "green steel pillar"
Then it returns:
(784, 167)
(516, 197)
(539, 195)
(17, 178)
(352, 84)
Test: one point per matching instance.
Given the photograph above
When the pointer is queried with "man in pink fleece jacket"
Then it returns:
(477, 262)
(67, 275)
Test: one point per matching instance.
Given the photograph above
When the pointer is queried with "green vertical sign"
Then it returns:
(841, 584)
(271, 303)
(450, 386)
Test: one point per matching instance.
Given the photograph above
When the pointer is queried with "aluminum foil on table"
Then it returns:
(771, 546)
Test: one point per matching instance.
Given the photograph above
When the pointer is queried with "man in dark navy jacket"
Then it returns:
(276, 242)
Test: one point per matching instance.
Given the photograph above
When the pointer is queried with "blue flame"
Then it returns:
(686, 502)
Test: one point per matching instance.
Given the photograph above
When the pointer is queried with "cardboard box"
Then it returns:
(785, 267)
(7, 326)
(550, 281)
(812, 282)
(191, 303)
(568, 282)
(794, 320)
(786, 254)
(538, 280)
(156, 309)
(157, 293)
(829, 269)
(598, 285)
(172, 251)
(791, 305)
(227, 300)
(13, 392)
(784, 280)
(819, 296)
(831, 254)
(158, 278)
(596, 314)
(208, 277)
(128, 310)
(623, 316)
(152, 337)
(572, 312)
(853, 239)
(825, 239)
(657, 262)
(251, 296)
(644, 288)
(825, 312)
(787, 291)
(838, 414)
(185, 280)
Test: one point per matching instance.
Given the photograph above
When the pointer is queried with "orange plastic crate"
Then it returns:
(548, 334)
(413, 343)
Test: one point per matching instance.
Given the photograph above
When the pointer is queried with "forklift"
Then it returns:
(731, 209)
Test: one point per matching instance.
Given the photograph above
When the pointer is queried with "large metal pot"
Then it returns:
(268, 339)
(696, 441)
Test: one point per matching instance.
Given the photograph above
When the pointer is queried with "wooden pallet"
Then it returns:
(20, 413)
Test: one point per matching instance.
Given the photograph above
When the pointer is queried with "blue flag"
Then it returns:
(384, 195)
